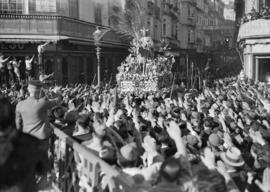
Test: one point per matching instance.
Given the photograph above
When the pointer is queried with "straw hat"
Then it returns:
(233, 157)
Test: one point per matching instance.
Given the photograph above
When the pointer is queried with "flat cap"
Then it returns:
(35, 84)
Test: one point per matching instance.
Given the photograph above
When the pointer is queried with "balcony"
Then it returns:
(259, 28)
(171, 10)
(49, 28)
(189, 20)
(172, 42)
(192, 2)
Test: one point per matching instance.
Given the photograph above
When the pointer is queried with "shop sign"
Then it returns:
(15, 46)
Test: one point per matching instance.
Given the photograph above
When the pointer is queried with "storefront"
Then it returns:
(254, 38)
(69, 60)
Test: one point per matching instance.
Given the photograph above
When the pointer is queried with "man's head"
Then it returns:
(170, 170)
(34, 88)
(210, 181)
(261, 155)
(99, 125)
(129, 155)
(82, 122)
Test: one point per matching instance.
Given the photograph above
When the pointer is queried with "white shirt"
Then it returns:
(147, 172)
(28, 64)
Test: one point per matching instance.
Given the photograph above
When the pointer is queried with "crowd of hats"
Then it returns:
(227, 125)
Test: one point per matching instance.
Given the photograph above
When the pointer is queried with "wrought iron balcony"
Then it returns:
(50, 27)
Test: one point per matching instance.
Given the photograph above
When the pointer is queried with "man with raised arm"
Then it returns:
(43, 77)
(28, 66)
(31, 113)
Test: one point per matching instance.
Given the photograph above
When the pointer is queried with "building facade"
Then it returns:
(195, 30)
(253, 40)
(69, 25)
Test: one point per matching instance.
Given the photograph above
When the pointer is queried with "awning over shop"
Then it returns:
(103, 43)
(31, 39)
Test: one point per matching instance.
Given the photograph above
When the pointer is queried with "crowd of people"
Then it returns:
(18, 70)
(214, 140)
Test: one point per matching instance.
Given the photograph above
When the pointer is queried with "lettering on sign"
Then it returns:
(15, 46)
(127, 86)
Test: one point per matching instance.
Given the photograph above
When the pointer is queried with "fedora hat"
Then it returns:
(232, 157)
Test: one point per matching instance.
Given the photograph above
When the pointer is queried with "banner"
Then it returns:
(46, 5)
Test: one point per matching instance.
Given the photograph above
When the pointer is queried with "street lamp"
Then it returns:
(98, 35)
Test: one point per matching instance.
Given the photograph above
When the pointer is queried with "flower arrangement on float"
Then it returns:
(143, 72)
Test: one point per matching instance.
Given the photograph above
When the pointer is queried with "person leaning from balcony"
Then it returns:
(21, 159)
(28, 66)
(31, 113)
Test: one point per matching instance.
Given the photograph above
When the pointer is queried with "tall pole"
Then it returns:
(98, 49)
(98, 34)
(40, 67)
(187, 61)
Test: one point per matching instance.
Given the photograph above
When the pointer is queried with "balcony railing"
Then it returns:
(189, 20)
(192, 2)
(51, 25)
(172, 42)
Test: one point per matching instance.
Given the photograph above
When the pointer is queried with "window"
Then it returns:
(164, 27)
(98, 14)
(73, 8)
(156, 32)
(11, 6)
(176, 32)
(267, 3)
(149, 23)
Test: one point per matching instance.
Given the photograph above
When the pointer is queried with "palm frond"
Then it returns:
(129, 22)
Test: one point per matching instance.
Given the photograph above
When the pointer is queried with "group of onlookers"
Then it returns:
(215, 140)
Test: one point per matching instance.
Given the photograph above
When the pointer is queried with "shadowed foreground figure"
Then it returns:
(21, 159)
(31, 114)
